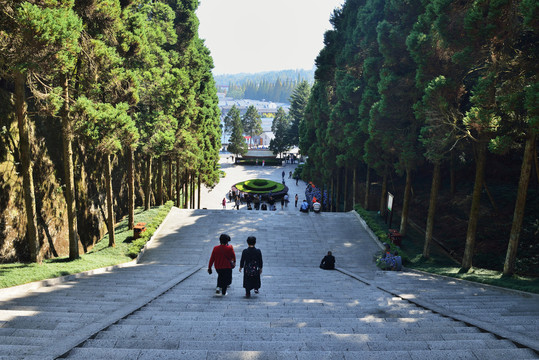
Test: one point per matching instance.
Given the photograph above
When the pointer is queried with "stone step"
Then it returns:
(17, 349)
(268, 336)
(303, 320)
(294, 344)
(152, 354)
(195, 332)
(17, 316)
(23, 340)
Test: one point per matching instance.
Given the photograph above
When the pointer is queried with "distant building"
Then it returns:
(263, 107)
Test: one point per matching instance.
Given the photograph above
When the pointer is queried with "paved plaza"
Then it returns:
(165, 306)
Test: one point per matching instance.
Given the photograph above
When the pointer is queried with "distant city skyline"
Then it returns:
(249, 36)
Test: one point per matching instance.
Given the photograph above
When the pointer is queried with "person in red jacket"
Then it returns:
(224, 260)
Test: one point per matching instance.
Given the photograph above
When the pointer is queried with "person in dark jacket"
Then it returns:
(251, 262)
(224, 258)
(328, 262)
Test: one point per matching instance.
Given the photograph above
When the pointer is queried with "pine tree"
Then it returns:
(252, 123)
(298, 103)
(279, 127)
(237, 145)
(230, 117)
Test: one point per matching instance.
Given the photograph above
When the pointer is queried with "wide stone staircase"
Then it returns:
(300, 313)
(165, 307)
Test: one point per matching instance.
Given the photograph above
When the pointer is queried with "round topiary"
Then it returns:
(262, 187)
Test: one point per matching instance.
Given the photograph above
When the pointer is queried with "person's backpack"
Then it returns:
(252, 269)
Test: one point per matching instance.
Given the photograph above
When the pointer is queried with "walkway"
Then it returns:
(165, 306)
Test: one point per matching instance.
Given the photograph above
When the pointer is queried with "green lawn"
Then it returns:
(101, 255)
(441, 264)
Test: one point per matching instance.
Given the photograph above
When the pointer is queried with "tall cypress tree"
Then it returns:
(252, 123)
(298, 103)
(39, 41)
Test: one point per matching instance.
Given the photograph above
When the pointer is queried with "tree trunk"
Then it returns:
(432, 209)
(383, 196)
(452, 177)
(332, 195)
(148, 194)
(474, 211)
(345, 193)
(170, 183)
(160, 181)
(322, 200)
(26, 167)
(338, 191)
(69, 176)
(185, 189)
(536, 160)
(520, 205)
(367, 188)
(199, 191)
(193, 190)
(406, 202)
(110, 206)
(131, 186)
(354, 187)
(178, 184)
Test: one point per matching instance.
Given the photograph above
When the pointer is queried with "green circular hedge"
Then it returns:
(259, 186)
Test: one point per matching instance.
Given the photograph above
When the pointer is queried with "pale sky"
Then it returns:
(262, 35)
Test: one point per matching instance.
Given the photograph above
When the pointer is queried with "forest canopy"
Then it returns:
(433, 89)
(96, 97)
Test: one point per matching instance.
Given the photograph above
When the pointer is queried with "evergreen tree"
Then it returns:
(37, 42)
(230, 117)
(398, 93)
(252, 123)
(298, 103)
(236, 144)
(280, 127)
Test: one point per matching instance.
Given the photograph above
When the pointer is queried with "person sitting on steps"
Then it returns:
(328, 262)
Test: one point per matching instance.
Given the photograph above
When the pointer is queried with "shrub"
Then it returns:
(259, 186)
(267, 162)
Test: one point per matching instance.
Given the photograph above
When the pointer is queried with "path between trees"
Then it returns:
(165, 306)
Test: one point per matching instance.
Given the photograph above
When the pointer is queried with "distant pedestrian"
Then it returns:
(286, 200)
(251, 262)
(297, 179)
(263, 163)
(304, 206)
(290, 175)
(282, 203)
(224, 203)
(296, 201)
(283, 174)
(224, 260)
(328, 262)
(271, 202)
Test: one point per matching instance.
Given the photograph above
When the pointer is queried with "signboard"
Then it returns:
(389, 201)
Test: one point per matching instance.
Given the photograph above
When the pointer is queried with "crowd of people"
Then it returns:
(256, 201)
